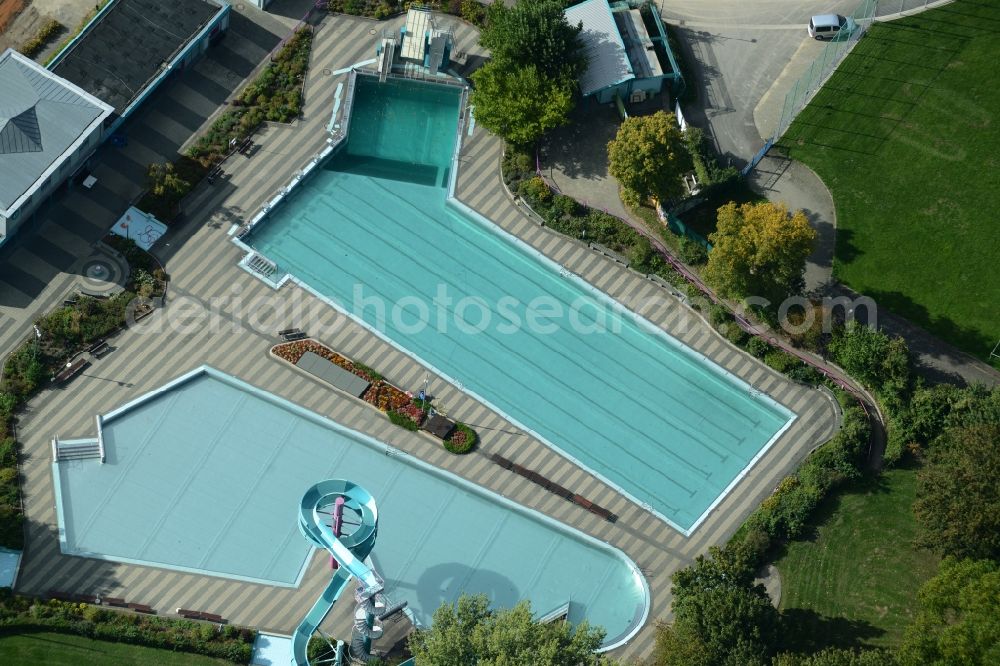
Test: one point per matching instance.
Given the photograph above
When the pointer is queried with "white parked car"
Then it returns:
(828, 26)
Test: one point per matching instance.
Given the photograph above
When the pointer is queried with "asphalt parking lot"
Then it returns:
(735, 54)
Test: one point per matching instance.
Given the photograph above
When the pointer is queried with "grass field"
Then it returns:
(906, 136)
(856, 582)
(54, 649)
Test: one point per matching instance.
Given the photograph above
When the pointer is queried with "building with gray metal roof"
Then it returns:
(48, 128)
(626, 47)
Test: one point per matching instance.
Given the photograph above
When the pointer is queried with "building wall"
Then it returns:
(9, 227)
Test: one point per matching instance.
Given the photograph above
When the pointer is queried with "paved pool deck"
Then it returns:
(205, 277)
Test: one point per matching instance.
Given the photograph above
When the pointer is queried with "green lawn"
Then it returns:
(856, 581)
(905, 134)
(54, 649)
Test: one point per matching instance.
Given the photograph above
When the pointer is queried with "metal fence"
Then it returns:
(825, 64)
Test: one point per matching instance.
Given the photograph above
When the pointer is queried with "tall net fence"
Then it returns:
(891, 7)
(831, 55)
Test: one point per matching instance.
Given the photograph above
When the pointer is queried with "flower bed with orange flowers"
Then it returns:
(381, 393)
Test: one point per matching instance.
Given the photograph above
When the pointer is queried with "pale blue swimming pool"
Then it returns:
(206, 475)
(373, 232)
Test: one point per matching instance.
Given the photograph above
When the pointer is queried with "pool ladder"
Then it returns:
(262, 265)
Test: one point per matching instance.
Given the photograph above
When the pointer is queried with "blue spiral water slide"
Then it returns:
(341, 517)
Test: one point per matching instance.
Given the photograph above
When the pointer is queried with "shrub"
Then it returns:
(401, 420)
(783, 515)
(565, 206)
(517, 164)
(461, 440)
(872, 357)
(276, 95)
(735, 334)
(718, 315)
(20, 613)
(781, 361)
(536, 191)
(45, 34)
(473, 11)
(758, 346)
(370, 373)
(693, 252)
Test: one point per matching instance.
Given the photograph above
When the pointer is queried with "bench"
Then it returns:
(439, 426)
(115, 601)
(500, 460)
(292, 337)
(556, 489)
(93, 294)
(600, 511)
(61, 596)
(142, 608)
(289, 331)
(97, 351)
(87, 598)
(71, 370)
(200, 615)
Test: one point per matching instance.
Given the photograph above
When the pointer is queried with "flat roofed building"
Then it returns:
(626, 48)
(123, 54)
(48, 129)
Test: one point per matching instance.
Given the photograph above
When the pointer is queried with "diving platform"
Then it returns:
(423, 42)
(418, 22)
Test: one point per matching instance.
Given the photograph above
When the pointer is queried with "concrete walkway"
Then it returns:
(796, 185)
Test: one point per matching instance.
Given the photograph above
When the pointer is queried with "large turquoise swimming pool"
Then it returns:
(374, 233)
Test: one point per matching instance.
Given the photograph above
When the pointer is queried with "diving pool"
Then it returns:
(206, 475)
(374, 232)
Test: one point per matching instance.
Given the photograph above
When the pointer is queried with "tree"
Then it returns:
(534, 33)
(720, 616)
(958, 621)
(873, 358)
(648, 158)
(468, 632)
(958, 495)
(933, 409)
(164, 181)
(759, 250)
(519, 104)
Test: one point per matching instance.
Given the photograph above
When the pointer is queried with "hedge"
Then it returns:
(783, 515)
(37, 44)
(402, 420)
(19, 614)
